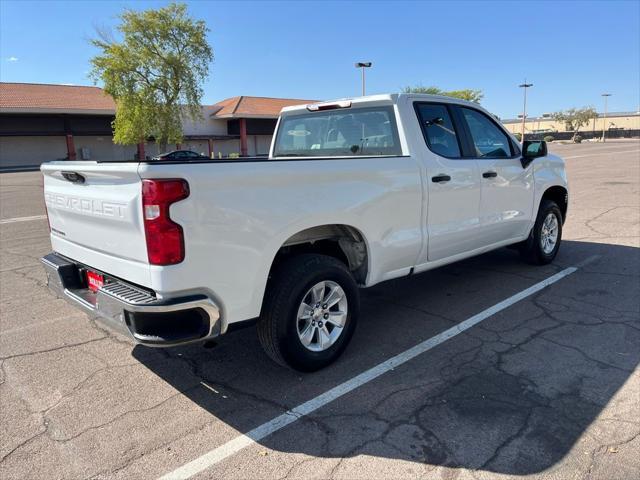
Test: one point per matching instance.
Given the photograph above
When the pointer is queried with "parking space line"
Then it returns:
(242, 441)
(22, 219)
(600, 153)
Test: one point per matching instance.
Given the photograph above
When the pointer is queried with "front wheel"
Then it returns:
(310, 312)
(544, 240)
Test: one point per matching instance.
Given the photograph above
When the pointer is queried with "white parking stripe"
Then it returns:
(233, 446)
(600, 154)
(22, 219)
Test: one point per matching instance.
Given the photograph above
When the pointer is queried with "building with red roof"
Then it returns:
(42, 122)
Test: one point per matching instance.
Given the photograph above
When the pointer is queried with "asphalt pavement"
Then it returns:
(546, 386)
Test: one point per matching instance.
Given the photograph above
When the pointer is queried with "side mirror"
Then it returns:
(532, 149)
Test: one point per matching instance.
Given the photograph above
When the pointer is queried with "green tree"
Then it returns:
(154, 72)
(574, 118)
(466, 94)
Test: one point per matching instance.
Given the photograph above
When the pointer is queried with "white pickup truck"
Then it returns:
(354, 192)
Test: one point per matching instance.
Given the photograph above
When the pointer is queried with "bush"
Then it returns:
(549, 139)
(577, 139)
(518, 136)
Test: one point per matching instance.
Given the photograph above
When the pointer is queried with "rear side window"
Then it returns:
(341, 132)
(488, 139)
(438, 129)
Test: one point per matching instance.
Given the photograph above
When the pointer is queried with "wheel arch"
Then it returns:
(560, 195)
(344, 242)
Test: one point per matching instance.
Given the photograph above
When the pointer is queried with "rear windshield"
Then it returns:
(344, 132)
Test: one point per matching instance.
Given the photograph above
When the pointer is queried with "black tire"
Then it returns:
(278, 324)
(531, 249)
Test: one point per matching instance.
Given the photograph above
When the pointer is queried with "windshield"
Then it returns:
(343, 132)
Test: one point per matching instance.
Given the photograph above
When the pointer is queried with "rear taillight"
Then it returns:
(165, 240)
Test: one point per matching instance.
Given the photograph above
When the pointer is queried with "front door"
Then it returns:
(506, 204)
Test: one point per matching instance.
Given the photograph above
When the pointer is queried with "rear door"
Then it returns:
(506, 202)
(453, 185)
(95, 215)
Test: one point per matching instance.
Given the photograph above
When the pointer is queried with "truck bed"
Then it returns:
(238, 215)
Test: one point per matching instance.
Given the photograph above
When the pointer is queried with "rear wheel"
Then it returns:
(544, 240)
(310, 312)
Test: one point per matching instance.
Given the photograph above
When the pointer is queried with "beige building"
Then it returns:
(544, 124)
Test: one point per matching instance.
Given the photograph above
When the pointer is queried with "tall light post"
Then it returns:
(604, 125)
(363, 65)
(524, 85)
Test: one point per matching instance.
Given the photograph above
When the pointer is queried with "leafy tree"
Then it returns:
(574, 118)
(154, 72)
(422, 89)
(467, 94)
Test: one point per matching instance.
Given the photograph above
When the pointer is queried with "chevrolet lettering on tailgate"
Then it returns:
(85, 205)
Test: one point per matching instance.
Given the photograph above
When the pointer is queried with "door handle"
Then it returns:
(489, 175)
(73, 177)
(440, 178)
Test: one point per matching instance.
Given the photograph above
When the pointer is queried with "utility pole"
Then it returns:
(524, 85)
(363, 65)
(604, 125)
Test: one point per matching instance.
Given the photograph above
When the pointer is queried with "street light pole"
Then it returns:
(604, 125)
(524, 85)
(363, 65)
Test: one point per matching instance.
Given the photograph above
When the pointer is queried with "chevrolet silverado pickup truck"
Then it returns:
(354, 192)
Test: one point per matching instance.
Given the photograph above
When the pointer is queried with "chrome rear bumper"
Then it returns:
(133, 311)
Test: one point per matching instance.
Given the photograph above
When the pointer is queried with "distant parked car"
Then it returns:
(179, 155)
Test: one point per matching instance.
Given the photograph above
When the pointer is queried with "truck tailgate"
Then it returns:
(95, 215)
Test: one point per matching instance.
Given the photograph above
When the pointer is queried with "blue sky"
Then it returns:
(571, 51)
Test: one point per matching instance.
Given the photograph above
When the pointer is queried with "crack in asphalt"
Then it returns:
(604, 448)
(53, 349)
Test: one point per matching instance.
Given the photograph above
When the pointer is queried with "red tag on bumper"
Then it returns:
(95, 281)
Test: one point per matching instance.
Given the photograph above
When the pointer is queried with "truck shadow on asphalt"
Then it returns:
(512, 395)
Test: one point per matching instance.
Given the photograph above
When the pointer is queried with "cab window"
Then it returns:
(350, 132)
(489, 141)
(438, 129)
